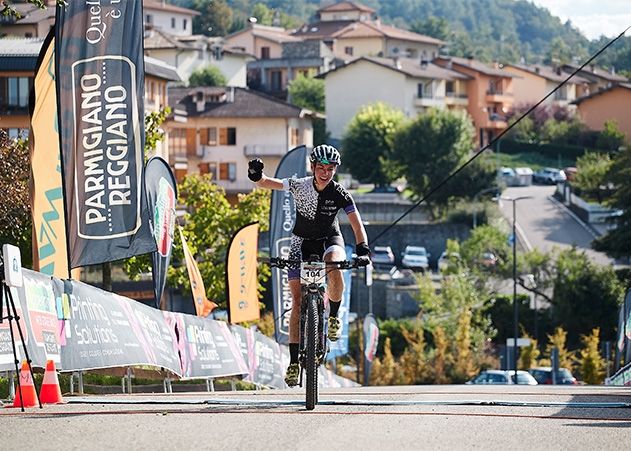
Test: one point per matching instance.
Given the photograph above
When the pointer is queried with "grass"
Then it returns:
(534, 161)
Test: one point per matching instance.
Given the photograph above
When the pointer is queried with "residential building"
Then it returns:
(597, 78)
(262, 41)
(532, 83)
(410, 85)
(352, 30)
(609, 103)
(171, 19)
(273, 75)
(193, 52)
(218, 130)
(489, 92)
(34, 22)
(18, 58)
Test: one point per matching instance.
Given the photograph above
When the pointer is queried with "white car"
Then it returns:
(415, 257)
(502, 377)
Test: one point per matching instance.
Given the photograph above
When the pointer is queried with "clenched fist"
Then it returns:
(255, 169)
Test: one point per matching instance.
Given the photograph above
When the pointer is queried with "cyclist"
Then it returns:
(318, 199)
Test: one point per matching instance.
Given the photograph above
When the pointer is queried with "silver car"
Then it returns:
(549, 176)
(503, 377)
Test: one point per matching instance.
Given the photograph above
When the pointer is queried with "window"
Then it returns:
(228, 171)
(172, 22)
(15, 133)
(348, 51)
(227, 136)
(184, 24)
(425, 90)
(149, 18)
(212, 136)
(14, 92)
(277, 78)
(264, 53)
(449, 89)
(294, 136)
(177, 141)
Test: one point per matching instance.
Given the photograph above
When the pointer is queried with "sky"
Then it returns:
(592, 17)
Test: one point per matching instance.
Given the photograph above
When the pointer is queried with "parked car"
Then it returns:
(488, 259)
(445, 258)
(549, 176)
(382, 256)
(507, 175)
(415, 257)
(503, 377)
(543, 375)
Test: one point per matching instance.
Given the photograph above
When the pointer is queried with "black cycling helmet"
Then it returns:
(325, 154)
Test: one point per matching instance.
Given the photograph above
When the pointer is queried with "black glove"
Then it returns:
(255, 169)
(362, 249)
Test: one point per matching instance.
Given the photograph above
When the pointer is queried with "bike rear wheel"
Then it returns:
(311, 366)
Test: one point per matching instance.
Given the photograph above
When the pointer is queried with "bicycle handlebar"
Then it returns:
(279, 262)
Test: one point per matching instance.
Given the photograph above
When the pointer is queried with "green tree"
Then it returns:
(464, 367)
(586, 296)
(307, 92)
(215, 18)
(593, 168)
(610, 138)
(558, 340)
(263, 14)
(436, 27)
(528, 355)
(429, 149)
(208, 76)
(208, 229)
(413, 366)
(559, 52)
(617, 242)
(440, 357)
(368, 143)
(153, 131)
(15, 213)
(592, 364)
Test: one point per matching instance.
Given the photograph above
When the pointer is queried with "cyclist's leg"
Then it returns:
(335, 285)
(293, 371)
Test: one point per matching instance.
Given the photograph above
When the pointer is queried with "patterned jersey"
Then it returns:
(316, 212)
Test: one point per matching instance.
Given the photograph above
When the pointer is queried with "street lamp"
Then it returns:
(515, 309)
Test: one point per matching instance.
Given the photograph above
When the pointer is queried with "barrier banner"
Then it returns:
(206, 347)
(107, 330)
(328, 379)
(100, 91)
(162, 199)
(242, 283)
(262, 355)
(282, 220)
(203, 306)
(371, 341)
(35, 305)
(50, 255)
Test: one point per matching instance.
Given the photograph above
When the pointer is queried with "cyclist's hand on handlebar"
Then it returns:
(362, 249)
(255, 169)
(362, 260)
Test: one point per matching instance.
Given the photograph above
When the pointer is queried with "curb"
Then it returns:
(593, 232)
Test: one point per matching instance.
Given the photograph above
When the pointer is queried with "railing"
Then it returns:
(264, 150)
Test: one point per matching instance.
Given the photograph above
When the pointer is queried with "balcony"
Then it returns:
(264, 150)
(456, 98)
(496, 121)
(428, 100)
(498, 96)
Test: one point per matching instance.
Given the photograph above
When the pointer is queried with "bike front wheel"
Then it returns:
(311, 366)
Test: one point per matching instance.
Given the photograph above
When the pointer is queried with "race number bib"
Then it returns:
(312, 272)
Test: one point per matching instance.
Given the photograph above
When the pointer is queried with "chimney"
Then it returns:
(231, 95)
(612, 70)
(592, 67)
(397, 62)
(199, 101)
(537, 70)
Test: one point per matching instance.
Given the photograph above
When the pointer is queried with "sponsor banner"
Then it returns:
(35, 305)
(107, 330)
(203, 306)
(207, 348)
(621, 377)
(328, 379)
(50, 255)
(162, 200)
(371, 341)
(262, 355)
(282, 220)
(340, 347)
(623, 343)
(100, 91)
(241, 275)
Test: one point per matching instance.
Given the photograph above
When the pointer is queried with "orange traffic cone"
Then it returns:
(28, 397)
(50, 392)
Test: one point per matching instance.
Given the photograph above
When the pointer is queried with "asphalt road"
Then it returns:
(365, 418)
(543, 223)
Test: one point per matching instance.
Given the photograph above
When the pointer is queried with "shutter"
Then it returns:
(223, 171)
(203, 136)
(223, 136)
(191, 141)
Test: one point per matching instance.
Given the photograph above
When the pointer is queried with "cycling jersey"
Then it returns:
(316, 212)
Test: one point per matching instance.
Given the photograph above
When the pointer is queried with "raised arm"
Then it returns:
(255, 173)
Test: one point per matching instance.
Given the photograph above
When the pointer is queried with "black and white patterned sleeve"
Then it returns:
(345, 200)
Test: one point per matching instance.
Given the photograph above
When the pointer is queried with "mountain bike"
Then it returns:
(312, 345)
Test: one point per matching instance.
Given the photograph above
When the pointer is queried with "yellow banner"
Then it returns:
(241, 278)
(203, 306)
(49, 227)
